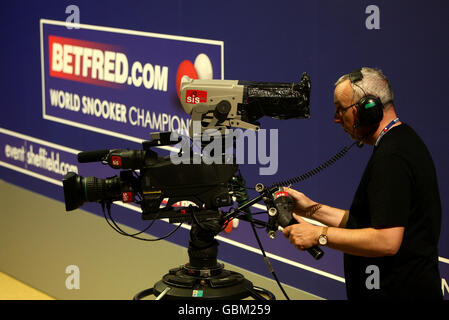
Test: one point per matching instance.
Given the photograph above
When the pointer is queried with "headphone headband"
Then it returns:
(355, 76)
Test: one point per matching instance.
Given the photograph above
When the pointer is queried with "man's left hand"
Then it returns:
(303, 234)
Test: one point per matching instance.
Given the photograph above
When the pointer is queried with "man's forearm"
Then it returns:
(367, 242)
(327, 215)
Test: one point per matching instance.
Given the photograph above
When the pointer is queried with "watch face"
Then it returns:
(322, 240)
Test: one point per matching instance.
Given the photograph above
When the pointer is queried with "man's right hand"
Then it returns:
(303, 205)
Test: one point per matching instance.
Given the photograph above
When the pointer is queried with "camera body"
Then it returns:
(205, 185)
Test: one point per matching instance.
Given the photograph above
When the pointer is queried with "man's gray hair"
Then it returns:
(373, 83)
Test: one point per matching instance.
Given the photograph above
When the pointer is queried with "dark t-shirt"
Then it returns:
(398, 188)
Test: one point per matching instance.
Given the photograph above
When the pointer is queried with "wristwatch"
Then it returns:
(322, 240)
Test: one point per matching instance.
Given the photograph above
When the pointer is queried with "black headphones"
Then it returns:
(369, 107)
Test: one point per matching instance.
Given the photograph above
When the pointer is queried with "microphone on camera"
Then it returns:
(92, 156)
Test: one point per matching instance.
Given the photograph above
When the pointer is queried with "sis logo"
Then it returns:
(201, 69)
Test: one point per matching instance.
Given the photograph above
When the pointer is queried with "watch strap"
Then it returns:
(324, 231)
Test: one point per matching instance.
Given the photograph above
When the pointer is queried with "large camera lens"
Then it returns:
(78, 190)
(275, 99)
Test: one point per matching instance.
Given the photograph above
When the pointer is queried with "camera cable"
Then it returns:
(113, 225)
(242, 197)
(318, 169)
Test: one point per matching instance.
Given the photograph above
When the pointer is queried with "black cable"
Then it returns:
(241, 217)
(316, 170)
(267, 261)
(243, 198)
(117, 228)
(120, 231)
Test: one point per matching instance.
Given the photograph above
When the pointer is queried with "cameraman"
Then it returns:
(393, 225)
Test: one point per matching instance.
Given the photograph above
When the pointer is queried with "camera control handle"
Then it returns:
(314, 251)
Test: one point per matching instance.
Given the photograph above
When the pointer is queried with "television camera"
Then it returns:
(148, 179)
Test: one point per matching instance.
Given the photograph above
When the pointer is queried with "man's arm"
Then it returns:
(327, 215)
(366, 242)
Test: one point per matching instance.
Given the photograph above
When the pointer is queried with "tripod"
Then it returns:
(203, 277)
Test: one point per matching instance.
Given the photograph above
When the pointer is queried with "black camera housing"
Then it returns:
(205, 185)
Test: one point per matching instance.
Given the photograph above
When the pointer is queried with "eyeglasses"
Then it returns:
(341, 111)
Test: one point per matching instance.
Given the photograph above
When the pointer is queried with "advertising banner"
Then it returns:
(35, 157)
(120, 82)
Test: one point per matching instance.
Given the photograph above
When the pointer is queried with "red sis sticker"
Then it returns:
(281, 194)
(196, 96)
(127, 197)
(116, 161)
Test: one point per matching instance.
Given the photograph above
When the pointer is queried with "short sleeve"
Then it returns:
(390, 192)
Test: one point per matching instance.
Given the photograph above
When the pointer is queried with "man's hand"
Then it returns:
(302, 235)
(303, 206)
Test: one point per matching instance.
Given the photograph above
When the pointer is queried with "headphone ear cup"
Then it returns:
(370, 110)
